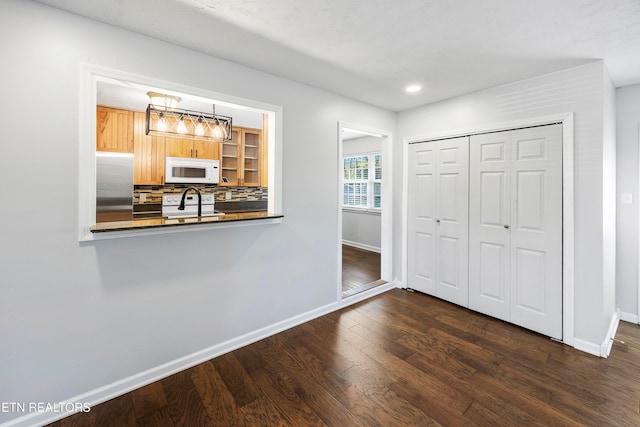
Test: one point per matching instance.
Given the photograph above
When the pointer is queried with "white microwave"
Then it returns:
(184, 170)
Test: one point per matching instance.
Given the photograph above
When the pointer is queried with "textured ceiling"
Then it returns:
(371, 49)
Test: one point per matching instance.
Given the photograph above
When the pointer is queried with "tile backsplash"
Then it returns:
(152, 194)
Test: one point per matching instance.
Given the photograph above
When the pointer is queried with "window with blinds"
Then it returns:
(362, 181)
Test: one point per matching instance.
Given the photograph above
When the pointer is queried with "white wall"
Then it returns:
(579, 90)
(627, 124)
(76, 317)
(609, 197)
(362, 229)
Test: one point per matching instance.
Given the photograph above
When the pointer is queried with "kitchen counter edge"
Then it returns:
(141, 224)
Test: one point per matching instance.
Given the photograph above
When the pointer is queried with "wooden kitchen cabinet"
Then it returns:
(148, 154)
(114, 130)
(185, 147)
(196, 149)
(241, 158)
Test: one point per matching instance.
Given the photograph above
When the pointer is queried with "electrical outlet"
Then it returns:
(227, 195)
(143, 197)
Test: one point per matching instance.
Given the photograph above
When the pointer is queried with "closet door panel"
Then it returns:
(536, 232)
(438, 219)
(489, 217)
(452, 226)
(421, 217)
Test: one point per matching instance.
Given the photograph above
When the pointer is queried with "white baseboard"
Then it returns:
(361, 246)
(586, 346)
(601, 350)
(118, 388)
(605, 348)
(629, 317)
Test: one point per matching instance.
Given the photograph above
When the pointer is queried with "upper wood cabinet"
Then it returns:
(114, 130)
(148, 154)
(186, 147)
(241, 158)
(189, 148)
(179, 147)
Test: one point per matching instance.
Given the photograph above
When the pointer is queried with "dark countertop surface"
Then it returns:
(138, 224)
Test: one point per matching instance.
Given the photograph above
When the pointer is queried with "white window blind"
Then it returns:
(362, 181)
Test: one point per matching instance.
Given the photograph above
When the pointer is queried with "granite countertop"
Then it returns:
(138, 224)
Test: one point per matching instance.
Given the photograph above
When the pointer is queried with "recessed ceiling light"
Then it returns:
(413, 88)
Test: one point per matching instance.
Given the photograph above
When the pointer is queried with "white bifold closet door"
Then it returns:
(515, 227)
(438, 218)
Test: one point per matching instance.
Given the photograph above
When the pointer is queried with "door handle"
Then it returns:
(506, 226)
(438, 221)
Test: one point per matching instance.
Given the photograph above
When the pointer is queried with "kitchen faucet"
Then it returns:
(184, 195)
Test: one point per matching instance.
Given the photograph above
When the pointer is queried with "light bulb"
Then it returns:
(182, 128)
(199, 128)
(217, 131)
(162, 126)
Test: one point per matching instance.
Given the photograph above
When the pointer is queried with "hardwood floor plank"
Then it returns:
(421, 388)
(478, 415)
(317, 365)
(325, 348)
(261, 412)
(183, 401)
(371, 400)
(250, 358)
(216, 398)
(283, 365)
(157, 418)
(539, 413)
(278, 391)
(237, 380)
(437, 411)
(360, 268)
(148, 399)
(482, 360)
(458, 376)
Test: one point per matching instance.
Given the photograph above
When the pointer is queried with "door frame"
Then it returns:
(568, 254)
(386, 232)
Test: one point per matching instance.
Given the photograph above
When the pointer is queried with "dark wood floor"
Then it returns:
(397, 359)
(360, 270)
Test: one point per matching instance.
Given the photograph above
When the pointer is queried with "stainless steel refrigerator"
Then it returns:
(114, 186)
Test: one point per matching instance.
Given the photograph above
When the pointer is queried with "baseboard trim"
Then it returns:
(629, 317)
(605, 348)
(586, 346)
(361, 246)
(118, 388)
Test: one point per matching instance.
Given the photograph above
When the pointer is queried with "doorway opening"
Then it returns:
(362, 208)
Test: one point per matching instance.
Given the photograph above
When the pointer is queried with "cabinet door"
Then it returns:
(206, 150)
(251, 157)
(114, 130)
(179, 147)
(148, 154)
